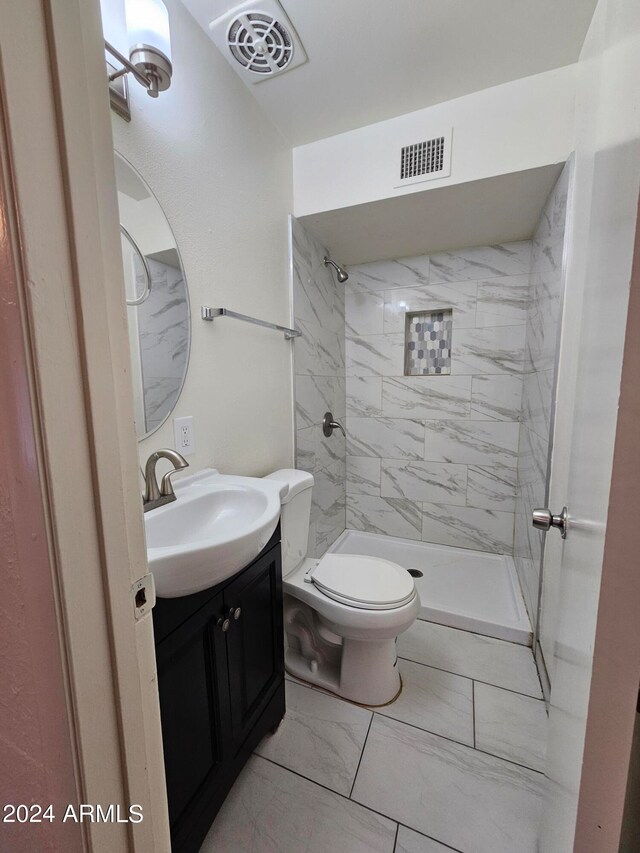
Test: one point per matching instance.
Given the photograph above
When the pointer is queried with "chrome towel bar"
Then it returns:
(212, 313)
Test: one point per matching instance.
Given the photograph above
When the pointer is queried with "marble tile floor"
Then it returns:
(455, 764)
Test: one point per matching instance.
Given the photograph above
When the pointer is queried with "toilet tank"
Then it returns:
(294, 518)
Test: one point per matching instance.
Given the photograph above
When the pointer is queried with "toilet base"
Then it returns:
(351, 702)
(364, 672)
(369, 671)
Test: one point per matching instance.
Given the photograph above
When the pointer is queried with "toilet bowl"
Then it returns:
(342, 613)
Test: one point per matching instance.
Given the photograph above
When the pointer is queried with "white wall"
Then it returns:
(519, 125)
(600, 236)
(222, 174)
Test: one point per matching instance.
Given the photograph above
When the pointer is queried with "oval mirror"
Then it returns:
(157, 301)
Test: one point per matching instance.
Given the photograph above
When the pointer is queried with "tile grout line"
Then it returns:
(429, 837)
(361, 805)
(430, 732)
(473, 711)
(329, 790)
(294, 680)
(471, 678)
(395, 840)
(465, 745)
(417, 728)
(353, 784)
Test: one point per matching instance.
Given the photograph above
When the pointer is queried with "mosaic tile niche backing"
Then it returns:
(428, 342)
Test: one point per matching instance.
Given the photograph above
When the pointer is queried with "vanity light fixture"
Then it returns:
(149, 54)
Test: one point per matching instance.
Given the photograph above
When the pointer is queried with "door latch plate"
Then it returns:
(144, 596)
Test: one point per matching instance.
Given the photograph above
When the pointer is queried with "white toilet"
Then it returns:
(342, 613)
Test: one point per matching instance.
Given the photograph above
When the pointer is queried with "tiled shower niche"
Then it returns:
(427, 341)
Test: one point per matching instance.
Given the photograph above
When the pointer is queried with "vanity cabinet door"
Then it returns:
(194, 705)
(254, 641)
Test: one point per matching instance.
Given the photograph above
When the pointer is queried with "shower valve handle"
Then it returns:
(329, 424)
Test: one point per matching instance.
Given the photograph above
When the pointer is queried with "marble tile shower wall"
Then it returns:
(435, 457)
(163, 323)
(318, 305)
(543, 318)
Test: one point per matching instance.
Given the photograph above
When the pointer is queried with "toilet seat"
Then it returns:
(367, 583)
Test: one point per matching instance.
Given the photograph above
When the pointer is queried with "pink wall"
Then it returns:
(36, 758)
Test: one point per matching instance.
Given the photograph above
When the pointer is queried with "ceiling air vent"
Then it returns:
(423, 161)
(258, 40)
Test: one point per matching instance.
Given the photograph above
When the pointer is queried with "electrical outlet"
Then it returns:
(184, 435)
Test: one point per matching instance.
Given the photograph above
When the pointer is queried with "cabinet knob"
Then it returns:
(234, 612)
(223, 624)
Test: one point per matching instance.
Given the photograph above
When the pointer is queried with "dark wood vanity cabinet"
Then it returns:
(220, 690)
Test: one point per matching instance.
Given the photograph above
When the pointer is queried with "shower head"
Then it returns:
(341, 272)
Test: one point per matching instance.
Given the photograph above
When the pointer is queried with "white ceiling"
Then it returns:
(371, 60)
(476, 213)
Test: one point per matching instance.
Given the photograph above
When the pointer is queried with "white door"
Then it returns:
(586, 764)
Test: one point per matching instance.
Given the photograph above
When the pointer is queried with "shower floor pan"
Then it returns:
(471, 590)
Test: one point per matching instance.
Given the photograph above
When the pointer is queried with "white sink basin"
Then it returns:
(217, 525)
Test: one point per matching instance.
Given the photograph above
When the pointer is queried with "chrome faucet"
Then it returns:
(153, 496)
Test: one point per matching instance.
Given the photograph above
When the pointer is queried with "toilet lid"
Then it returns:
(366, 582)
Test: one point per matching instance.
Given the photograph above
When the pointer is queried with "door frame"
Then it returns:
(74, 327)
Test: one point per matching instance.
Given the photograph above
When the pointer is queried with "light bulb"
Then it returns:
(148, 24)
(150, 42)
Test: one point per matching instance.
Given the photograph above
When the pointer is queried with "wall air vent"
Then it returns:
(423, 158)
(258, 40)
(426, 160)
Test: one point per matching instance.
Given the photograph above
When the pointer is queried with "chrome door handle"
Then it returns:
(544, 519)
(329, 424)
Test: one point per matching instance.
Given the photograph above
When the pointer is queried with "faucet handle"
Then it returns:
(166, 486)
